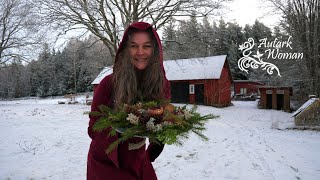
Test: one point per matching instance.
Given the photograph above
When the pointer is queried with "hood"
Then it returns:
(141, 26)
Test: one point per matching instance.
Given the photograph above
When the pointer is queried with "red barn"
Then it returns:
(205, 80)
(245, 87)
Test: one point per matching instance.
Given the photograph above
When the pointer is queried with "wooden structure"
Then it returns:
(204, 80)
(246, 87)
(273, 97)
(106, 71)
(308, 114)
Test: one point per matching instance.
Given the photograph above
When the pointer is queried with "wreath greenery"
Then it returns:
(158, 121)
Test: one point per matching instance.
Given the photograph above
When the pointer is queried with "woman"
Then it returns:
(138, 74)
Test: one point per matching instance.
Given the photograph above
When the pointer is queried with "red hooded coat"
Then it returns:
(121, 163)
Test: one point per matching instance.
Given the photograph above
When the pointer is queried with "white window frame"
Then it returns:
(191, 88)
(243, 90)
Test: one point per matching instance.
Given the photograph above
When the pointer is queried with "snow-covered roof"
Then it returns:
(106, 71)
(195, 68)
(185, 69)
(305, 106)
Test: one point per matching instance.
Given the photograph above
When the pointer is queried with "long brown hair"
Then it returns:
(131, 85)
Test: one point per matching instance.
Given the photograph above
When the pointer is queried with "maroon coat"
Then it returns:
(121, 163)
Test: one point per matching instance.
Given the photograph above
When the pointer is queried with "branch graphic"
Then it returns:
(247, 62)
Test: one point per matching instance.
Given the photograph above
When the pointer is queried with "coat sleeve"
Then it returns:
(100, 140)
(155, 149)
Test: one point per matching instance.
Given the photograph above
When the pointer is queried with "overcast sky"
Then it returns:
(240, 11)
(247, 11)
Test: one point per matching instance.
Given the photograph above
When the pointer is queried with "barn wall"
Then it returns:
(225, 88)
(263, 99)
(286, 105)
(252, 87)
(217, 92)
(95, 87)
(211, 92)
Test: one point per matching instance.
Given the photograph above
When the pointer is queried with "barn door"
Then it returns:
(280, 100)
(179, 92)
(199, 93)
(269, 101)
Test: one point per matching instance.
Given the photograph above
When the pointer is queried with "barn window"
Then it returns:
(243, 90)
(191, 89)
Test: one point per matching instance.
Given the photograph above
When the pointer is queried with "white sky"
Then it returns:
(247, 11)
(240, 11)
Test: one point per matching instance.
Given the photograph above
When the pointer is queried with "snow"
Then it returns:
(45, 140)
(201, 68)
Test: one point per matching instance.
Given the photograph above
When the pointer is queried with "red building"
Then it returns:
(204, 81)
(275, 97)
(244, 87)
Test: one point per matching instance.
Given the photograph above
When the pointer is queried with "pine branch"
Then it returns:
(170, 127)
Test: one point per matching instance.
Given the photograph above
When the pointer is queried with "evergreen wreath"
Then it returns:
(158, 121)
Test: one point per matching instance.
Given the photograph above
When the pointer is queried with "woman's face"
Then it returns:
(140, 49)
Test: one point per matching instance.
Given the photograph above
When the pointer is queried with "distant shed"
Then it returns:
(275, 97)
(204, 80)
(308, 114)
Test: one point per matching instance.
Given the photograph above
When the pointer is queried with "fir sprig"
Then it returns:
(167, 125)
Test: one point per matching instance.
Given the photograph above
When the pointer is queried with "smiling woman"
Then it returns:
(138, 75)
(140, 49)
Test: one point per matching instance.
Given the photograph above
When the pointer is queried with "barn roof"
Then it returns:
(185, 69)
(195, 68)
(106, 71)
(305, 106)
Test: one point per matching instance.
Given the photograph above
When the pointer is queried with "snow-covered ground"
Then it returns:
(43, 140)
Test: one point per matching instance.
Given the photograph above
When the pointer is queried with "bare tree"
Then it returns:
(19, 30)
(302, 18)
(108, 18)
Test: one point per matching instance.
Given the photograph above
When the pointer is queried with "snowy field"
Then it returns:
(43, 140)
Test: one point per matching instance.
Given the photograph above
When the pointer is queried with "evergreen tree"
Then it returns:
(221, 44)
(170, 44)
(207, 37)
(190, 39)
(247, 32)
(235, 37)
(260, 31)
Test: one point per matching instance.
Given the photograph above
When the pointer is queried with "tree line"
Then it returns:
(56, 72)
(74, 68)
(25, 24)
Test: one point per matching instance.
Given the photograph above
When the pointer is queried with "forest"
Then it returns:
(30, 65)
